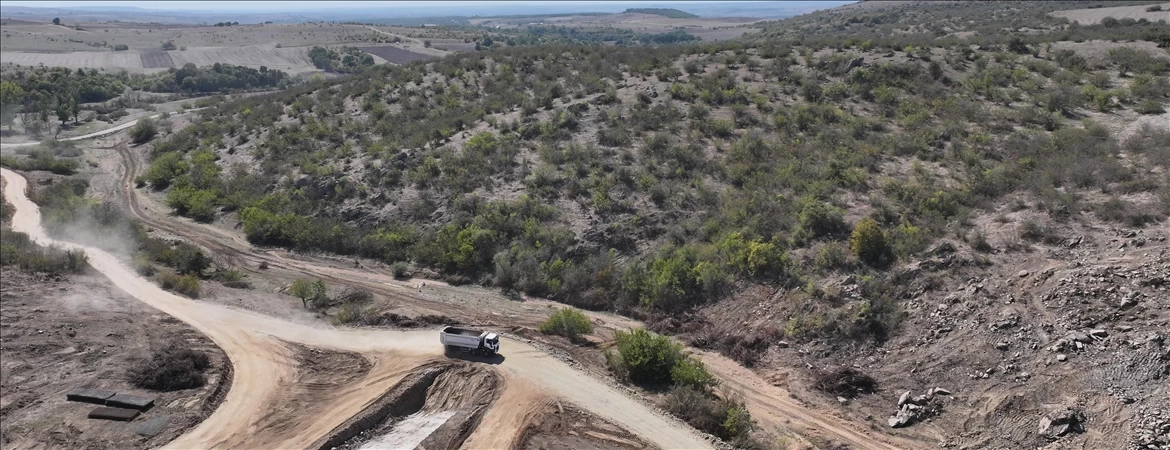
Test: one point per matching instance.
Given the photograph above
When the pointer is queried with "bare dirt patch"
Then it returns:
(63, 333)
(565, 427)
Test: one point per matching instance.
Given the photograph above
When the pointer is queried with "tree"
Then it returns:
(64, 109)
(11, 95)
(56, 21)
(868, 242)
(74, 107)
(307, 290)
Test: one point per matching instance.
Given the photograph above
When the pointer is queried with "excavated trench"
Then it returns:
(436, 407)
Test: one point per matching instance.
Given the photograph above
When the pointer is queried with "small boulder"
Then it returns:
(1062, 357)
(904, 398)
(1060, 422)
(1077, 336)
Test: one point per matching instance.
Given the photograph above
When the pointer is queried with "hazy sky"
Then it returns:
(305, 5)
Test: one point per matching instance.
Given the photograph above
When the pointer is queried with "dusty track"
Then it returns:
(251, 417)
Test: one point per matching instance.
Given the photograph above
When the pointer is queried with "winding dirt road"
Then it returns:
(265, 367)
(251, 415)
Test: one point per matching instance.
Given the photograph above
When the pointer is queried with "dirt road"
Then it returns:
(251, 415)
(96, 134)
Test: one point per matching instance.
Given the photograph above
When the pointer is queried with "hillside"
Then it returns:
(664, 12)
(910, 192)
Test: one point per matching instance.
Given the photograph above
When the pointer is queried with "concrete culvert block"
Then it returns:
(154, 426)
(95, 396)
(108, 413)
(130, 401)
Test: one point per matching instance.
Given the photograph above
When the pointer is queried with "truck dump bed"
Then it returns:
(462, 332)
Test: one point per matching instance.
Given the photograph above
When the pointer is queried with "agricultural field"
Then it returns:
(710, 29)
(276, 46)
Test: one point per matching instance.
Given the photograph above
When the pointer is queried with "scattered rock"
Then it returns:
(1023, 273)
(904, 398)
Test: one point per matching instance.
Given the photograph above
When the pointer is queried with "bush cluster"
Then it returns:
(567, 322)
(173, 368)
(16, 249)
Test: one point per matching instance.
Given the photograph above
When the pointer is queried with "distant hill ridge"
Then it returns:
(665, 12)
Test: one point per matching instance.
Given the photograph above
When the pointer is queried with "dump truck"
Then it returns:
(473, 341)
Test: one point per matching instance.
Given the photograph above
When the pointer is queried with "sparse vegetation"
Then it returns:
(16, 249)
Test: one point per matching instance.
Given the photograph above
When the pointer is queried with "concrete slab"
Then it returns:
(154, 426)
(130, 401)
(87, 395)
(108, 413)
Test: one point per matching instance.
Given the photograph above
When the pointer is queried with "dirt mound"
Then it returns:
(436, 407)
(564, 427)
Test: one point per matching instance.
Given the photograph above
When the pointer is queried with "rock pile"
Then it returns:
(1152, 430)
(913, 408)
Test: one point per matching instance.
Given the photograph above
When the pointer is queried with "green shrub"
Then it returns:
(567, 322)
(832, 256)
(725, 416)
(868, 243)
(164, 169)
(41, 160)
(188, 285)
(143, 131)
(1149, 106)
(187, 259)
(349, 313)
(307, 290)
(16, 249)
(647, 357)
(818, 219)
(399, 269)
(233, 278)
(690, 371)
